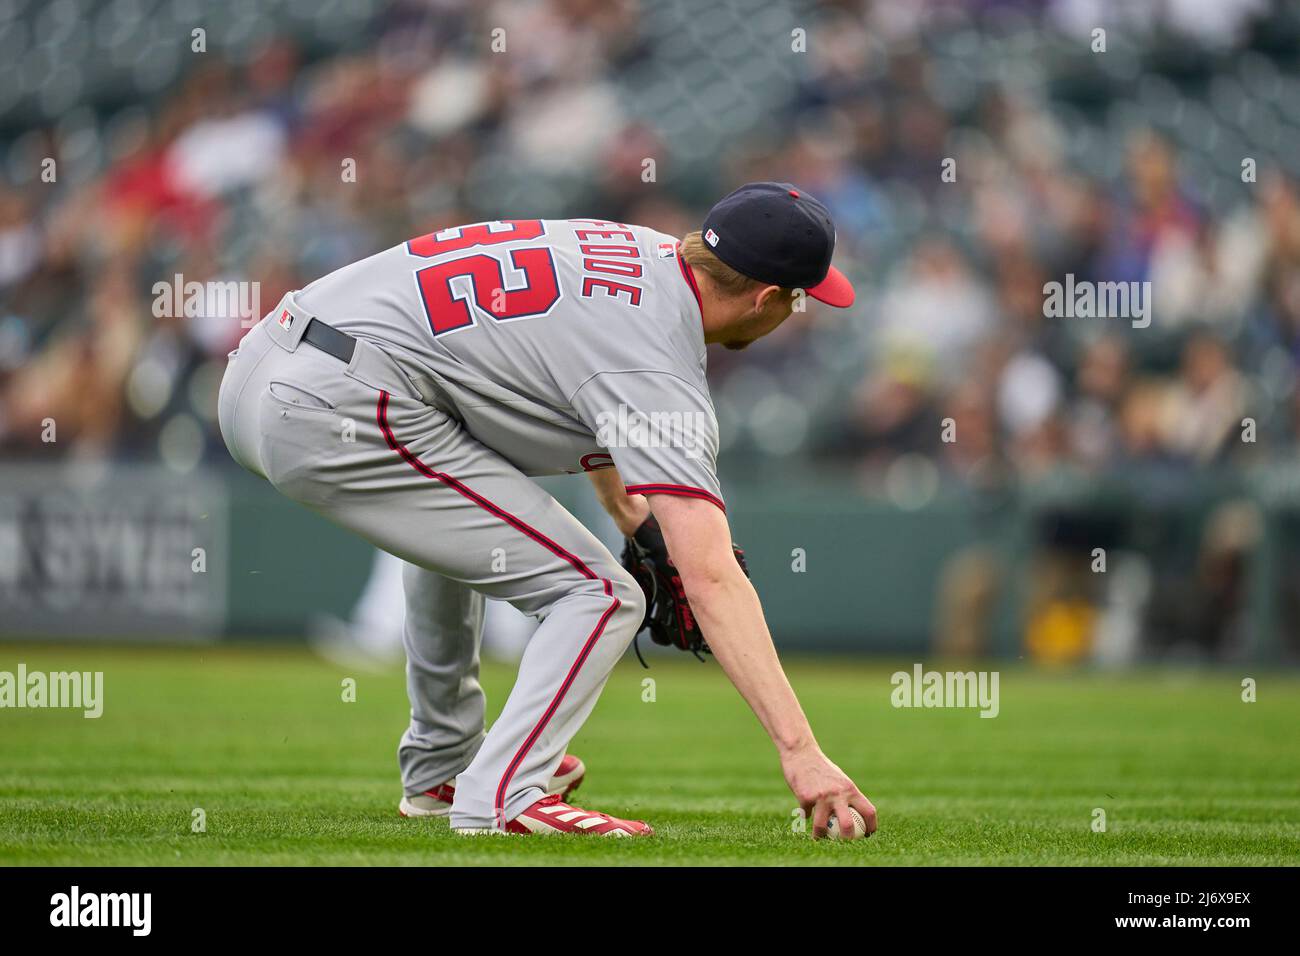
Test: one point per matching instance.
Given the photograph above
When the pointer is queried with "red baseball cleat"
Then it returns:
(553, 815)
(437, 802)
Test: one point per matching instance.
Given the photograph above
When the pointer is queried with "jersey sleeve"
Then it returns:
(659, 429)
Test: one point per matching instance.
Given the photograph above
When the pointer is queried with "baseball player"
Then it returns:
(409, 397)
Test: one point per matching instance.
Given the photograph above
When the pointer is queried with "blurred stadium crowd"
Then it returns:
(230, 165)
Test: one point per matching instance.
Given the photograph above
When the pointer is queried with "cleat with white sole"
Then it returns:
(552, 816)
(437, 802)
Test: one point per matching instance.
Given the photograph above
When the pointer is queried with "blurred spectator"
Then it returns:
(936, 304)
(1094, 416)
(1206, 405)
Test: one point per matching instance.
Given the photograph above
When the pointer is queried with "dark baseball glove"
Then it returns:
(668, 614)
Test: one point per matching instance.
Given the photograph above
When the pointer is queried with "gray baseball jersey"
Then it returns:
(484, 354)
(557, 343)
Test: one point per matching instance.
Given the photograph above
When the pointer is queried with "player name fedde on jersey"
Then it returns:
(82, 690)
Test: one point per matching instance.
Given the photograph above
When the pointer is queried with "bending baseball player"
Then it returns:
(409, 396)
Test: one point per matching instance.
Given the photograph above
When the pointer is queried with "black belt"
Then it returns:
(331, 340)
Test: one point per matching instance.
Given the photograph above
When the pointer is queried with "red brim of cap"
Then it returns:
(834, 290)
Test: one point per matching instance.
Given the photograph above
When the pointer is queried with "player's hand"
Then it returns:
(822, 789)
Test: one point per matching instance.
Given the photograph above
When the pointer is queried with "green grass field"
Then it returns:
(288, 773)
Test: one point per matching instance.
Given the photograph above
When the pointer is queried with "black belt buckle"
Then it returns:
(331, 340)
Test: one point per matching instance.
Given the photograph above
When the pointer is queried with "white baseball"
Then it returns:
(859, 826)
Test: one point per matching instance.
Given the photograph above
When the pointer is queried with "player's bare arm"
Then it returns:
(628, 511)
(731, 617)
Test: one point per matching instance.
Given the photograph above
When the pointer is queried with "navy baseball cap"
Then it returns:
(775, 233)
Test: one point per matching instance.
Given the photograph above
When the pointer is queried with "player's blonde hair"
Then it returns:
(697, 254)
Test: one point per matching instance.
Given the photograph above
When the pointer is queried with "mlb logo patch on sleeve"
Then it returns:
(286, 320)
(711, 238)
(667, 250)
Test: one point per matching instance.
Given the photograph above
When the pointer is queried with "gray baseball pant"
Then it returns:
(355, 443)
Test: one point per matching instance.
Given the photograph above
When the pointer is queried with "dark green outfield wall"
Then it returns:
(114, 556)
(868, 574)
